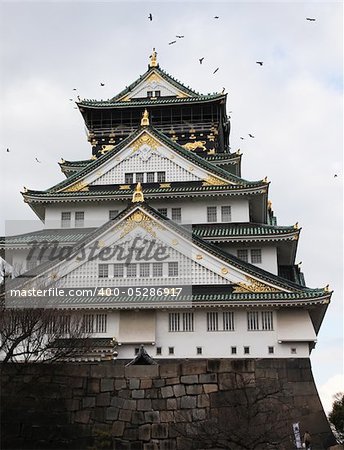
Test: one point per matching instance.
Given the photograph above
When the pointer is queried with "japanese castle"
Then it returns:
(168, 246)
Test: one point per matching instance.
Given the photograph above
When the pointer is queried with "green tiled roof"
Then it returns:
(241, 229)
(81, 163)
(63, 236)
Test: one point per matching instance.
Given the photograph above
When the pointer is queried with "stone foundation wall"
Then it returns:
(164, 406)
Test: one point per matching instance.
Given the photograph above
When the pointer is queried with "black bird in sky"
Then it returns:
(150, 17)
(335, 175)
(216, 17)
(241, 138)
(7, 150)
(201, 60)
(74, 89)
(259, 62)
(38, 160)
(179, 37)
(172, 42)
(251, 135)
(102, 84)
(216, 70)
(70, 99)
(310, 19)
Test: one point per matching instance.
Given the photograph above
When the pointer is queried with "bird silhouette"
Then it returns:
(310, 19)
(216, 17)
(102, 84)
(242, 138)
(71, 99)
(172, 42)
(259, 62)
(7, 150)
(179, 37)
(201, 60)
(335, 175)
(150, 17)
(38, 160)
(251, 135)
(74, 89)
(216, 70)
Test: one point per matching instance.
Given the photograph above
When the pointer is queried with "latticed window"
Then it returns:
(161, 177)
(163, 211)
(129, 178)
(256, 256)
(252, 320)
(150, 177)
(113, 213)
(79, 218)
(188, 321)
(199, 350)
(87, 323)
(243, 254)
(144, 270)
(66, 219)
(157, 269)
(150, 93)
(177, 214)
(101, 322)
(211, 214)
(267, 320)
(64, 324)
(228, 321)
(226, 213)
(103, 270)
(212, 321)
(139, 177)
(118, 270)
(131, 270)
(174, 322)
(157, 94)
(173, 269)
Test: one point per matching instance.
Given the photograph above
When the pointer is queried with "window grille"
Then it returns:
(199, 350)
(174, 322)
(271, 350)
(150, 177)
(177, 214)
(226, 213)
(129, 178)
(188, 322)
(173, 269)
(158, 351)
(139, 177)
(267, 320)
(66, 219)
(233, 350)
(253, 320)
(113, 213)
(149, 93)
(88, 320)
(171, 350)
(118, 270)
(228, 321)
(144, 270)
(212, 321)
(157, 94)
(256, 256)
(211, 214)
(161, 177)
(79, 218)
(157, 269)
(163, 211)
(103, 271)
(243, 254)
(246, 350)
(131, 270)
(101, 322)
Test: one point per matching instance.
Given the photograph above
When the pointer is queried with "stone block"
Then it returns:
(159, 383)
(82, 416)
(208, 378)
(146, 383)
(172, 381)
(138, 393)
(142, 371)
(203, 401)
(138, 445)
(117, 428)
(145, 433)
(111, 413)
(151, 446)
(194, 389)
(188, 402)
(144, 404)
(120, 384)
(137, 418)
(213, 365)
(183, 416)
(88, 402)
(151, 393)
(159, 430)
(118, 444)
(130, 404)
(171, 403)
(131, 434)
(117, 401)
(169, 370)
(103, 399)
(198, 414)
(166, 392)
(226, 381)
(72, 404)
(179, 390)
(168, 444)
(93, 386)
(194, 367)
(106, 385)
(76, 382)
(98, 414)
(134, 383)
(189, 379)
(152, 416)
(208, 388)
(166, 416)
(159, 404)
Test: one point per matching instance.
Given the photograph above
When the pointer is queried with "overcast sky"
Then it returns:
(292, 105)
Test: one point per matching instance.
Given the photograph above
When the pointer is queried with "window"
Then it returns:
(243, 254)
(157, 93)
(228, 321)
(149, 93)
(87, 322)
(171, 350)
(267, 320)
(253, 320)
(163, 211)
(199, 350)
(150, 177)
(172, 269)
(211, 214)
(226, 214)
(131, 270)
(113, 213)
(103, 271)
(64, 324)
(158, 351)
(101, 322)
(212, 321)
(65, 219)
(246, 350)
(118, 270)
(256, 256)
(129, 178)
(79, 218)
(233, 350)
(157, 269)
(177, 214)
(161, 177)
(293, 350)
(188, 322)
(173, 322)
(139, 177)
(271, 350)
(144, 270)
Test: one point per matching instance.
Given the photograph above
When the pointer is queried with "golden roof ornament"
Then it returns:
(153, 59)
(138, 194)
(269, 204)
(145, 119)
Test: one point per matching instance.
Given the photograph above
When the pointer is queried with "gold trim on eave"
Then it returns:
(211, 180)
(138, 194)
(253, 286)
(80, 186)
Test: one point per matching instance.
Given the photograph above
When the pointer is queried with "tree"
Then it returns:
(336, 416)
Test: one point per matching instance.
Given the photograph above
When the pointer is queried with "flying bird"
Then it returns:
(259, 62)
(179, 37)
(242, 138)
(74, 89)
(7, 150)
(150, 17)
(172, 42)
(201, 60)
(216, 70)
(335, 175)
(251, 135)
(310, 19)
(38, 160)
(216, 17)
(70, 99)
(102, 84)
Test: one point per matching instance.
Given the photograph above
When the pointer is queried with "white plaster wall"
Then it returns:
(269, 256)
